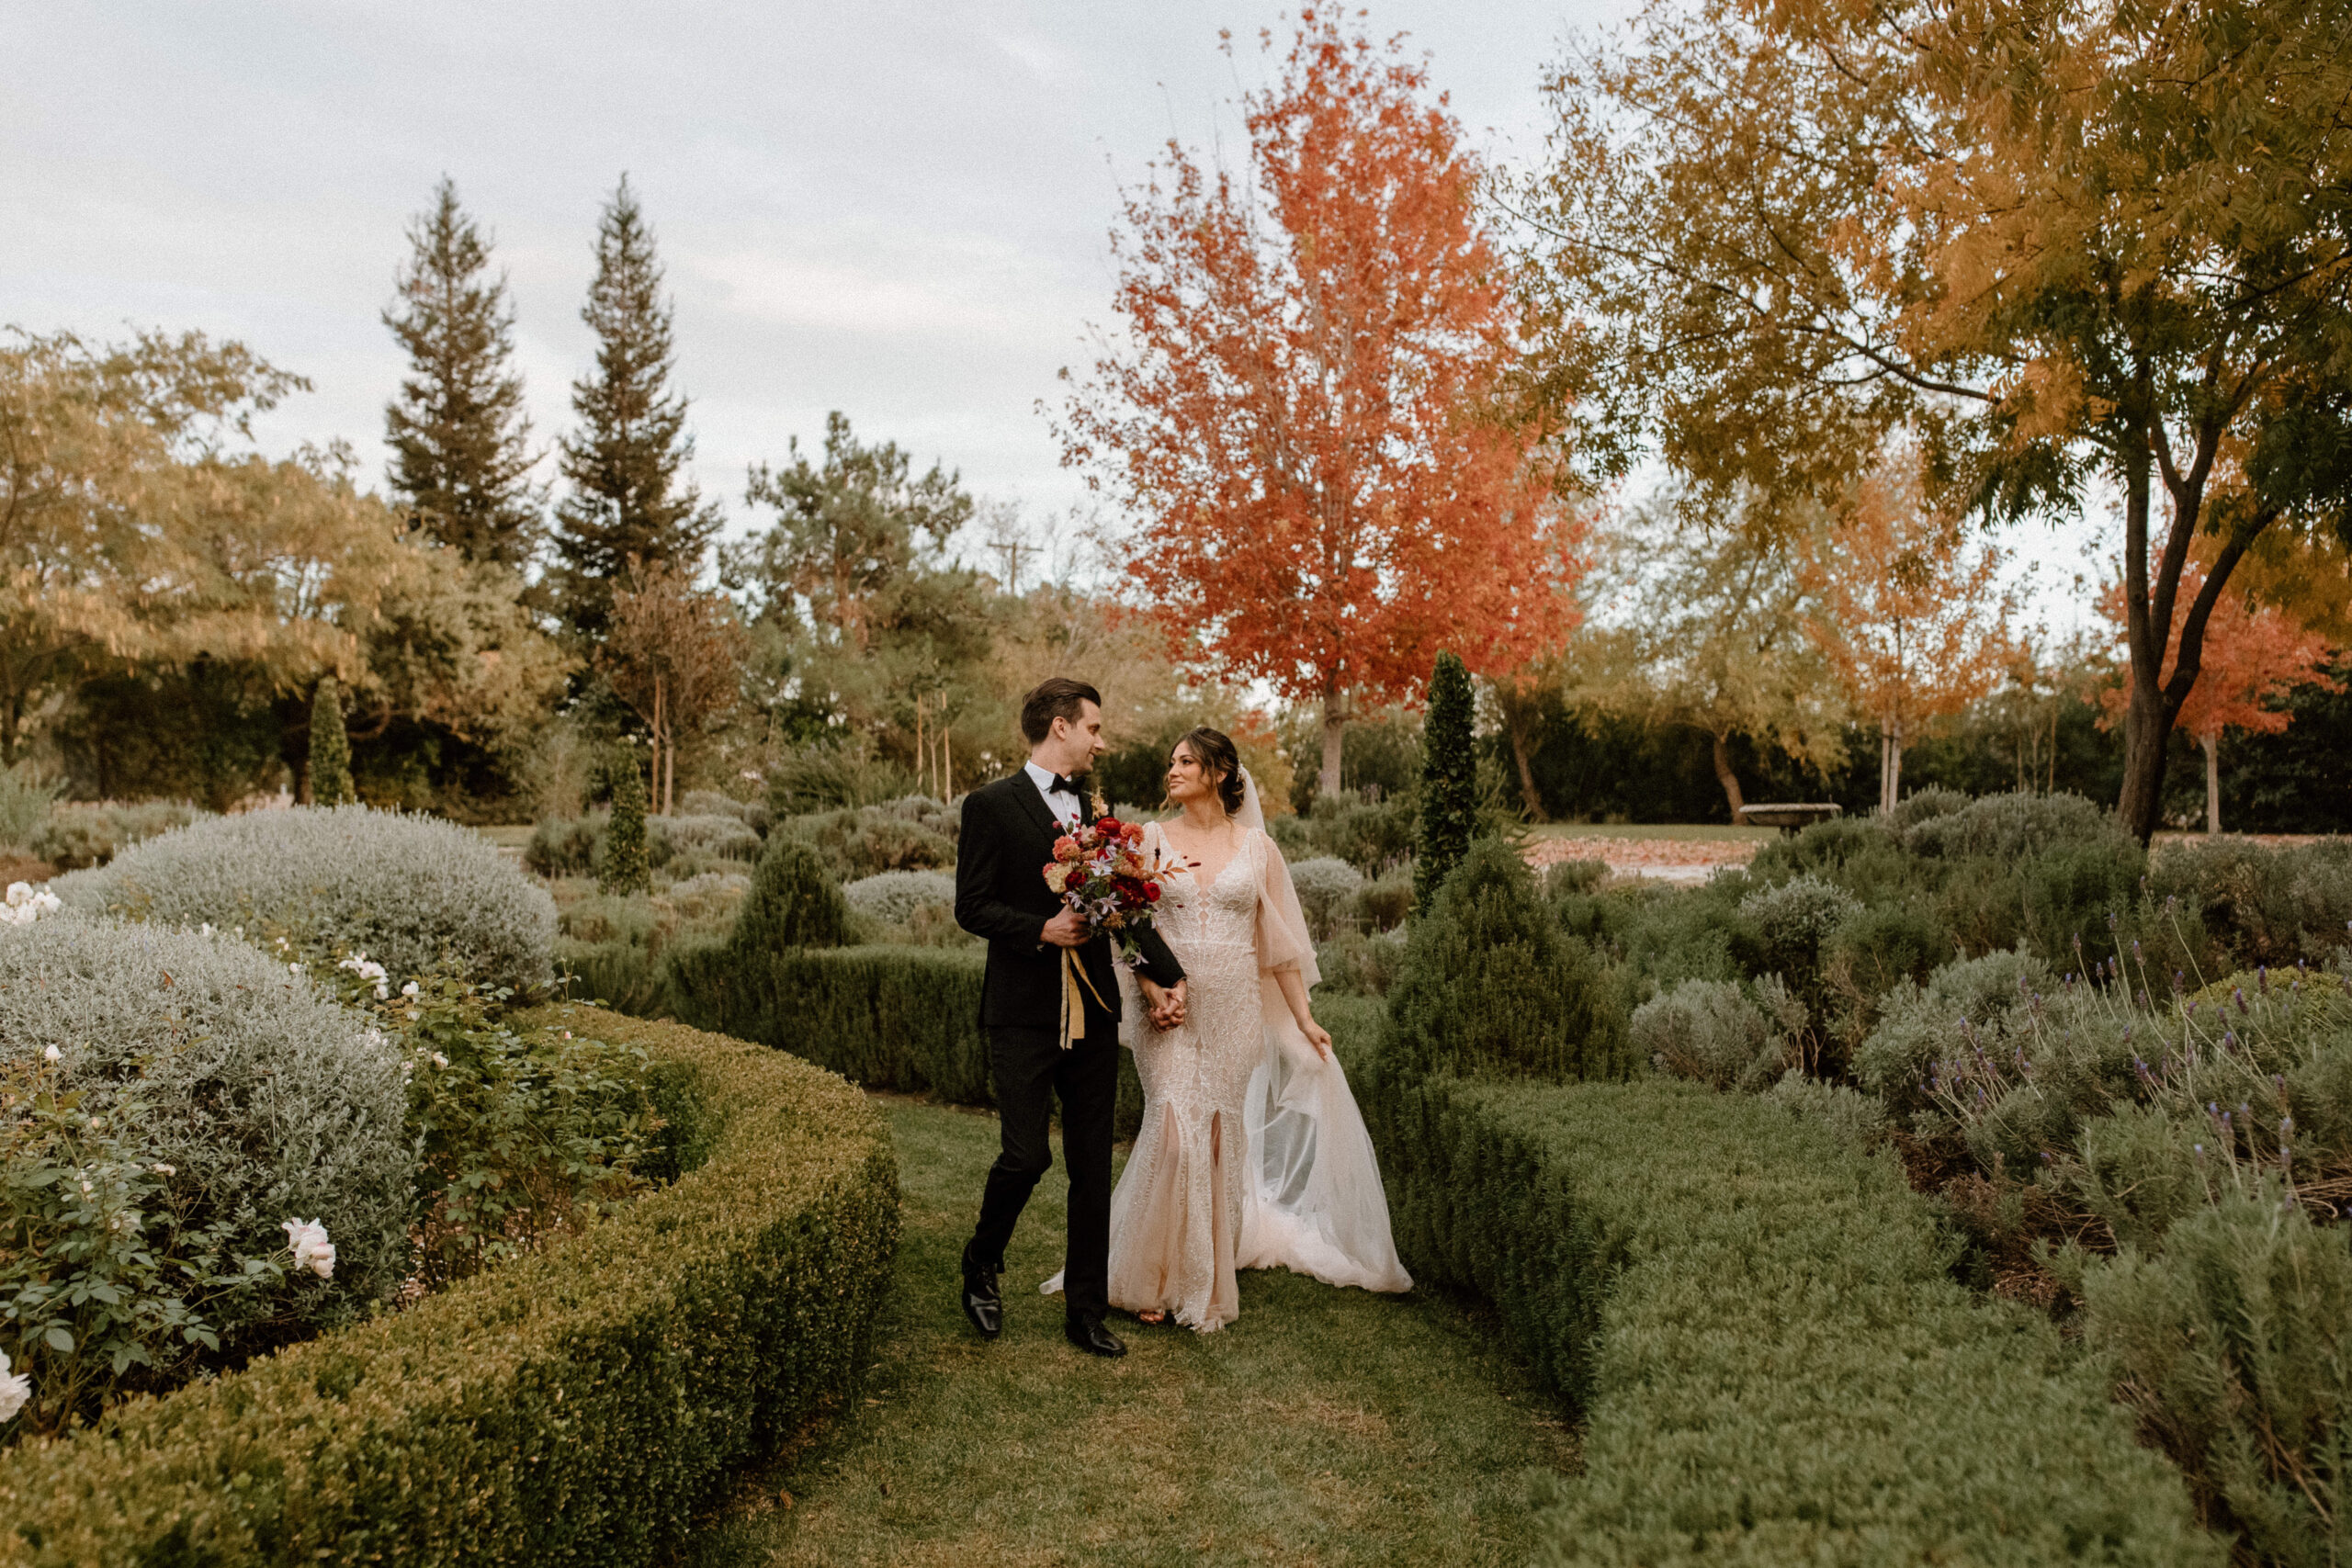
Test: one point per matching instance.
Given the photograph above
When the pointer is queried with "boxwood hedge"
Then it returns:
(576, 1406)
(887, 1017)
(1758, 1322)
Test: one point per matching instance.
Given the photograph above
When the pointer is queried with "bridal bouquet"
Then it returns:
(1100, 871)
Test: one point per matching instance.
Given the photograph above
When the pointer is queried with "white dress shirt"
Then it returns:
(1063, 807)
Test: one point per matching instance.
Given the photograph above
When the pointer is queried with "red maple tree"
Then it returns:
(1301, 416)
(2253, 656)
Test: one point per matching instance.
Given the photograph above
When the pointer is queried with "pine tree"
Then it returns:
(1449, 782)
(330, 747)
(625, 462)
(460, 440)
(626, 867)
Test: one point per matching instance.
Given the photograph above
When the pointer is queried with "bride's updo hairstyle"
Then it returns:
(1214, 750)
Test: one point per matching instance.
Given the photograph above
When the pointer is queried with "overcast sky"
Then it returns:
(896, 210)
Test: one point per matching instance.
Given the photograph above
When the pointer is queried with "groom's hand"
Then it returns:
(1064, 929)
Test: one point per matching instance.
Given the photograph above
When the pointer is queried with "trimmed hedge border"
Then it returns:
(1756, 1320)
(575, 1407)
(892, 1018)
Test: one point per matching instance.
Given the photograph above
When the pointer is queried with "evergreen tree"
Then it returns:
(795, 902)
(1449, 781)
(460, 440)
(330, 747)
(626, 866)
(625, 462)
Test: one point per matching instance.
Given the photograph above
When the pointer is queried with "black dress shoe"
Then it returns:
(982, 1302)
(1086, 1331)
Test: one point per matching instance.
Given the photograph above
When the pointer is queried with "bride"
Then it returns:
(1252, 1154)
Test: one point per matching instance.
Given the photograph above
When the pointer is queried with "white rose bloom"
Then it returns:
(20, 895)
(409, 989)
(47, 903)
(439, 1060)
(52, 1054)
(307, 1239)
(15, 1390)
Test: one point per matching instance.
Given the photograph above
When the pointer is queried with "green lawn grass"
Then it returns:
(1651, 830)
(508, 835)
(1323, 1426)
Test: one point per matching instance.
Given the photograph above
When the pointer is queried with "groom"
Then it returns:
(1000, 894)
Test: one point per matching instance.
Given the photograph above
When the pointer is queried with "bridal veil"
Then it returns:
(1314, 1203)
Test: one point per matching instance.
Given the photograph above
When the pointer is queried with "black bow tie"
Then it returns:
(1061, 785)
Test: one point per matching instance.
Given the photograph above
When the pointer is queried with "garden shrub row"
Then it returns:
(889, 1018)
(577, 1406)
(1755, 1314)
(1758, 1321)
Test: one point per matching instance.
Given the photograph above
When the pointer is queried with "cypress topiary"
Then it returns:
(1449, 781)
(794, 902)
(1491, 986)
(330, 747)
(627, 868)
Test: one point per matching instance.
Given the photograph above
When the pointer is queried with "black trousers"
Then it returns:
(1031, 1068)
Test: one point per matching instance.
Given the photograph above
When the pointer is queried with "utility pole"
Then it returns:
(1012, 550)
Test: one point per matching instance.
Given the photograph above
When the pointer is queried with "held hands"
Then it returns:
(1167, 1003)
(1064, 929)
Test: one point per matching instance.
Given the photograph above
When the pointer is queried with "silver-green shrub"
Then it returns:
(1712, 1030)
(714, 837)
(412, 893)
(79, 833)
(752, 814)
(891, 898)
(1327, 887)
(25, 802)
(713, 896)
(268, 1102)
(1856, 1118)
(2010, 827)
(1918, 1025)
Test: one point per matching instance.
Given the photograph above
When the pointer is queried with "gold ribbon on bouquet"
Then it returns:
(1073, 1004)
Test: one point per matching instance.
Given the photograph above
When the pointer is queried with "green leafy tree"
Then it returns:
(2068, 244)
(864, 622)
(330, 768)
(625, 464)
(140, 535)
(1449, 780)
(460, 440)
(628, 866)
(1717, 642)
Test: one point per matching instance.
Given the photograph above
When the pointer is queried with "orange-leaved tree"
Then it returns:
(1913, 621)
(1300, 417)
(2253, 655)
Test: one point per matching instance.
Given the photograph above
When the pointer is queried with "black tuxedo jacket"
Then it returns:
(1000, 894)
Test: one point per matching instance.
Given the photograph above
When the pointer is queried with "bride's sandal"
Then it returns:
(1153, 1319)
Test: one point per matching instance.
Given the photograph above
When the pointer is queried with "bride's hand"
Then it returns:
(1319, 1037)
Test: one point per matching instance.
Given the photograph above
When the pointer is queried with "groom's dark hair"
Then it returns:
(1056, 696)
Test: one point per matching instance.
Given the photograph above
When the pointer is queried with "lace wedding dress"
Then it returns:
(1252, 1154)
